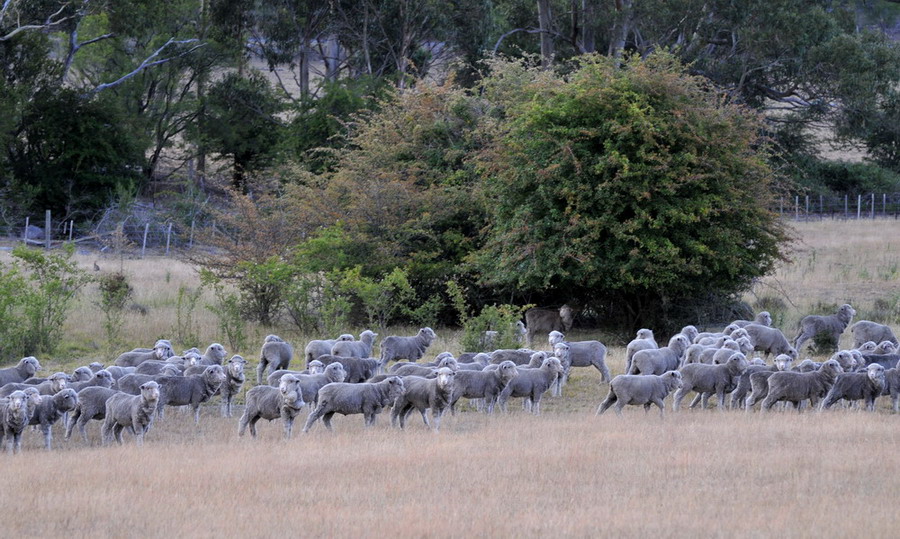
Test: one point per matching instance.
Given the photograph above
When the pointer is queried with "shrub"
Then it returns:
(499, 318)
(115, 291)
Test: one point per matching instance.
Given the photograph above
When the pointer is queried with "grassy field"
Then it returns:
(566, 472)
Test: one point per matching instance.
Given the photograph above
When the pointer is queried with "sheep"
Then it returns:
(422, 394)
(24, 370)
(759, 381)
(866, 330)
(643, 341)
(83, 374)
(886, 347)
(561, 352)
(868, 347)
(50, 409)
(414, 369)
(101, 378)
(434, 363)
(769, 340)
(317, 348)
(357, 369)
(763, 318)
(162, 350)
(520, 357)
(640, 390)
(315, 367)
(832, 325)
(478, 359)
(795, 387)
(234, 382)
(275, 355)
(531, 384)
(892, 387)
(157, 367)
(888, 361)
(410, 348)
(133, 411)
(53, 385)
(15, 414)
(690, 332)
(585, 354)
(117, 372)
(852, 386)
(660, 360)
(214, 355)
(191, 390)
(360, 348)
(845, 359)
(95, 366)
(744, 386)
(708, 379)
(365, 398)
(543, 321)
(741, 345)
(310, 384)
(91, 405)
(267, 402)
(485, 385)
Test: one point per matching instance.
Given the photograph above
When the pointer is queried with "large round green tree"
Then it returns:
(631, 187)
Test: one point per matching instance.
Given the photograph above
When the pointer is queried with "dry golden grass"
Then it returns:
(565, 473)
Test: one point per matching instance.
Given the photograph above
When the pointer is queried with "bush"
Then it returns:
(499, 318)
(227, 309)
(115, 291)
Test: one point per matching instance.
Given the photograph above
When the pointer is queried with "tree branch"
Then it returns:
(149, 62)
(48, 23)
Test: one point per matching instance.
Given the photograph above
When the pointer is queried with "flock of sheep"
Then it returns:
(342, 377)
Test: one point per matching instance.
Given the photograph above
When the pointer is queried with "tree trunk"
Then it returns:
(544, 18)
(588, 39)
(332, 58)
(622, 29)
(303, 69)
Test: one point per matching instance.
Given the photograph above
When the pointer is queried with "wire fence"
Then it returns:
(859, 206)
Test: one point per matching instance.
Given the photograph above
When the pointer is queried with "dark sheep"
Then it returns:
(91, 405)
(365, 398)
(660, 360)
(361, 348)
(531, 384)
(867, 385)
(357, 369)
(410, 348)
(317, 348)
(832, 325)
(640, 390)
(708, 379)
(543, 321)
(24, 370)
(485, 385)
(267, 402)
(191, 390)
(796, 387)
(133, 411)
(51, 408)
(423, 394)
(866, 330)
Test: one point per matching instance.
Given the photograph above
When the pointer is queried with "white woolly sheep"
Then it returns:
(191, 390)
(91, 405)
(640, 390)
(276, 355)
(660, 360)
(866, 330)
(423, 394)
(411, 348)
(267, 402)
(643, 341)
(796, 387)
(133, 411)
(867, 385)
(24, 370)
(361, 348)
(50, 409)
(832, 325)
(357, 369)
(365, 398)
(762, 318)
(769, 340)
(317, 348)
(161, 350)
(585, 354)
(710, 379)
(531, 384)
(485, 385)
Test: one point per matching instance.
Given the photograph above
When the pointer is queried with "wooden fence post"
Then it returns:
(168, 237)
(47, 229)
(191, 241)
(25, 237)
(858, 206)
(872, 210)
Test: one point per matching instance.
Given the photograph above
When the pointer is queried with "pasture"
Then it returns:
(566, 472)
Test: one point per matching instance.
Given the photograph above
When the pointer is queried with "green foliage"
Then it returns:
(184, 330)
(53, 281)
(115, 291)
(458, 302)
(73, 154)
(381, 299)
(13, 329)
(499, 318)
(840, 177)
(227, 308)
(635, 185)
(262, 288)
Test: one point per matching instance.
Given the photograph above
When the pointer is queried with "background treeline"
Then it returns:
(622, 156)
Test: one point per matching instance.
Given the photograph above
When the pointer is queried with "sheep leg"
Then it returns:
(676, 400)
(662, 407)
(609, 401)
(698, 399)
(197, 414)
(70, 424)
(720, 394)
(895, 402)
(117, 432)
(425, 416)
(253, 421)
(436, 418)
(618, 408)
(288, 427)
(604, 372)
(48, 436)
(326, 419)
(260, 369)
